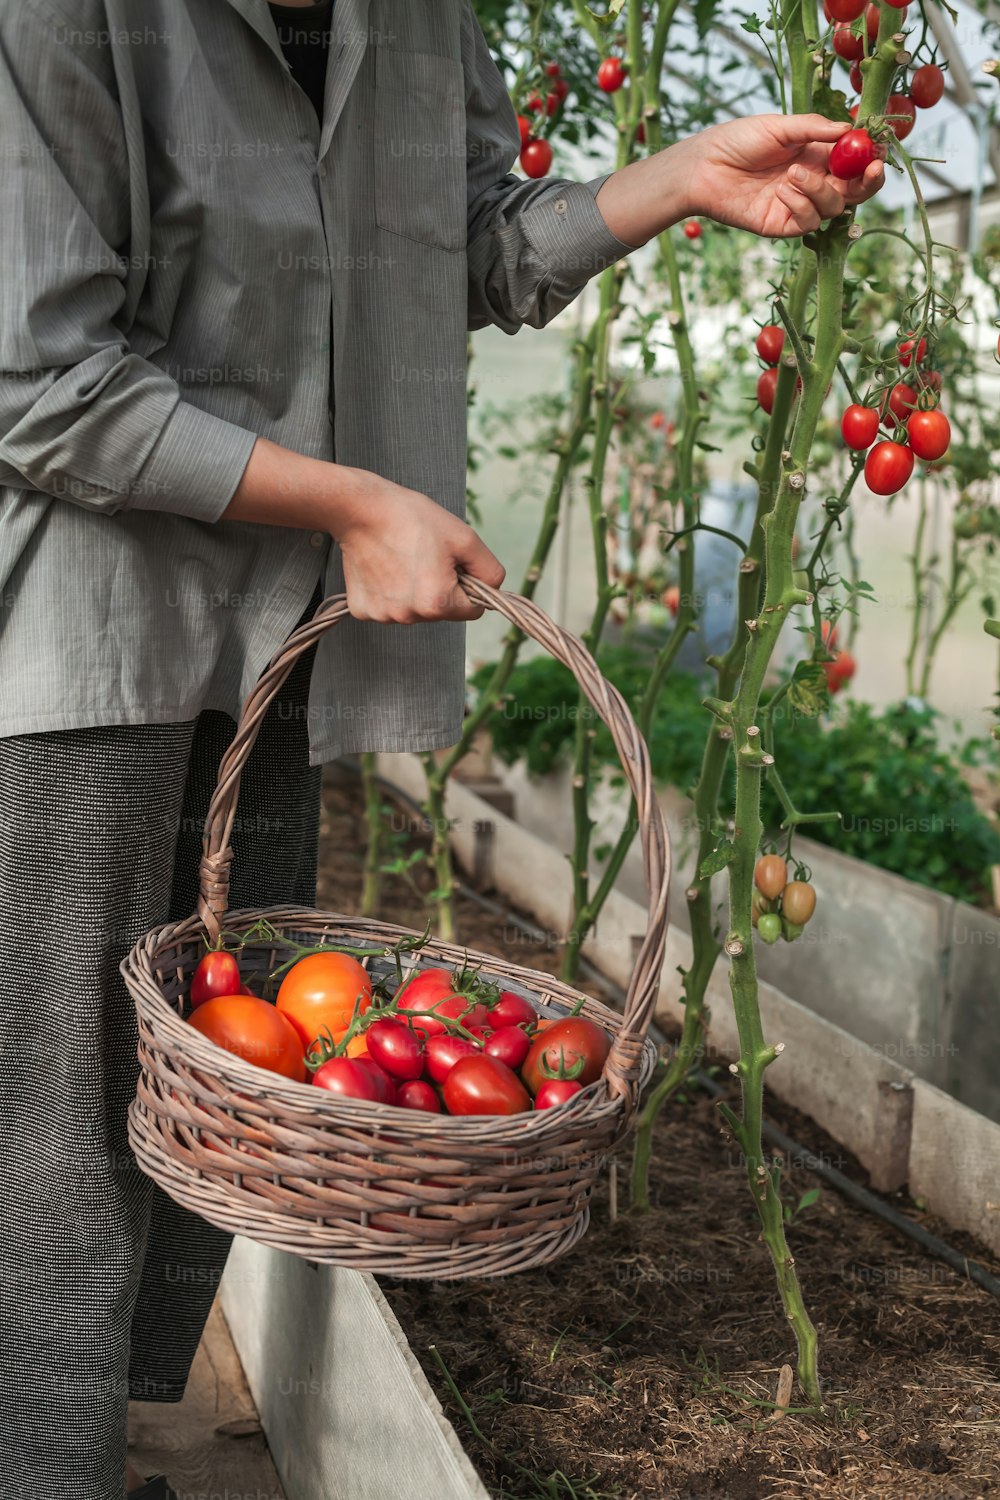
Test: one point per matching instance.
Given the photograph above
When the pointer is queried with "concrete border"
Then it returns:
(348, 1412)
(900, 1127)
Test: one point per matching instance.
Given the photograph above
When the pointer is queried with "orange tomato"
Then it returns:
(320, 991)
(254, 1030)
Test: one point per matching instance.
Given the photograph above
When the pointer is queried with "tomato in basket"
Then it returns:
(434, 990)
(320, 992)
(348, 1077)
(512, 1010)
(563, 1045)
(484, 1085)
(217, 973)
(254, 1030)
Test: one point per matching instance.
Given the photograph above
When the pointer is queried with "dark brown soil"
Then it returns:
(645, 1363)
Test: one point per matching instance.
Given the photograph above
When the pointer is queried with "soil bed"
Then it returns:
(645, 1363)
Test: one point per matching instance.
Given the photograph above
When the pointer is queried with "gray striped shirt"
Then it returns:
(190, 261)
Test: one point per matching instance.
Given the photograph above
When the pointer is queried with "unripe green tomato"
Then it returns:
(791, 930)
(800, 578)
(769, 926)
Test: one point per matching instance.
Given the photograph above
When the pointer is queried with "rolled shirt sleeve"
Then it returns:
(533, 245)
(82, 417)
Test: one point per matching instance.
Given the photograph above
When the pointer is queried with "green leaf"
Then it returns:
(751, 24)
(807, 1200)
(830, 102)
(809, 694)
(720, 857)
(704, 16)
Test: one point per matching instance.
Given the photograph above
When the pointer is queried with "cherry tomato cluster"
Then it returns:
(889, 463)
(780, 907)
(849, 43)
(536, 152)
(770, 342)
(445, 1041)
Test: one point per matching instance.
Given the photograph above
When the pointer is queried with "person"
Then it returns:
(242, 246)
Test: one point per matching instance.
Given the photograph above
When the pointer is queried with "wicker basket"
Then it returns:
(358, 1184)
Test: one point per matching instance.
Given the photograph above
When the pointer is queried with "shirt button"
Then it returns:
(318, 539)
(560, 205)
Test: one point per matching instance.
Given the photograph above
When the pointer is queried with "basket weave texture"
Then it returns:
(364, 1185)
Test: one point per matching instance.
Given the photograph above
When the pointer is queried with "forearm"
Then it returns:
(282, 488)
(641, 200)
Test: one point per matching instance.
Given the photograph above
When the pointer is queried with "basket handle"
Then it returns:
(622, 1066)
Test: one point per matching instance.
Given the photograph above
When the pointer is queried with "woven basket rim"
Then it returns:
(320, 1105)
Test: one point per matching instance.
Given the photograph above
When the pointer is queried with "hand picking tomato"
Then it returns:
(770, 342)
(511, 1010)
(484, 1086)
(611, 75)
(433, 990)
(859, 426)
(217, 973)
(396, 1047)
(348, 1077)
(798, 902)
(511, 1044)
(562, 1046)
(535, 158)
(443, 1052)
(850, 154)
(320, 991)
(929, 433)
(416, 1093)
(769, 927)
(927, 86)
(888, 467)
(770, 875)
(556, 1091)
(767, 383)
(254, 1030)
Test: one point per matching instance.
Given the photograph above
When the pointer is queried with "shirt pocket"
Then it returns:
(419, 141)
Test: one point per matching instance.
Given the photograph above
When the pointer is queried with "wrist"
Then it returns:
(641, 200)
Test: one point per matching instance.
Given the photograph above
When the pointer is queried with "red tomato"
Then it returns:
(321, 991)
(552, 70)
(857, 84)
(928, 380)
(848, 46)
(770, 875)
(901, 401)
(510, 1044)
(872, 19)
(851, 154)
(385, 1086)
(611, 75)
(484, 1086)
(766, 384)
(839, 671)
(672, 599)
(770, 342)
(443, 1052)
(254, 1030)
(846, 10)
(859, 427)
(927, 86)
(906, 353)
(829, 635)
(533, 103)
(556, 1091)
(348, 1077)
(416, 1094)
(396, 1048)
(929, 433)
(562, 1046)
(217, 973)
(692, 229)
(904, 113)
(536, 158)
(511, 1010)
(434, 990)
(524, 126)
(560, 88)
(798, 902)
(888, 467)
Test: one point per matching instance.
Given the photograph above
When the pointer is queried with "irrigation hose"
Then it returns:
(801, 1155)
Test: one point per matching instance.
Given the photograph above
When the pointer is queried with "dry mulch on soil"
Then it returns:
(645, 1363)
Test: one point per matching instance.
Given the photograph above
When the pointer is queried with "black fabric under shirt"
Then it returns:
(304, 34)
